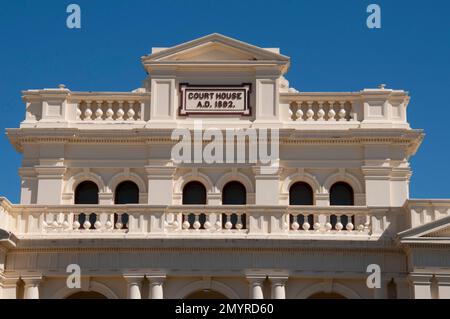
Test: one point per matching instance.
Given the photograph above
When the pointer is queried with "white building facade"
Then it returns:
(102, 189)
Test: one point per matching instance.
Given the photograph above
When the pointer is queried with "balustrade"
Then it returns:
(322, 111)
(109, 110)
(255, 220)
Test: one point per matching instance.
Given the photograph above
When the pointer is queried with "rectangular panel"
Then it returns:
(202, 99)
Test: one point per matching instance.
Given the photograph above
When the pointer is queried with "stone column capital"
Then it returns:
(134, 278)
(32, 280)
(278, 280)
(155, 278)
(256, 279)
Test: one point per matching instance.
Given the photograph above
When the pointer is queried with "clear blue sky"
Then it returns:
(328, 41)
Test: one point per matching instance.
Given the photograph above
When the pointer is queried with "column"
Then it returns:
(278, 285)
(134, 286)
(31, 289)
(256, 286)
(443, 282)
(156, 286)
(8, 287)
(421, 286)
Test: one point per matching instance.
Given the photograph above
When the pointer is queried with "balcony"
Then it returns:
(368, 108)
(144, 221)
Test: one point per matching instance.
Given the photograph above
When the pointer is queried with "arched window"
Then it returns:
(86, 193)
(126, 193)
(341, 194)
(194, 193)
(301, 194)
(234, 193)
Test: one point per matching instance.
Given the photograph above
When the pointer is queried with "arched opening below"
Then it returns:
(341, 194)
(126, 193)
(86, 193)
(86, 295)
(194, 193)
(326, 295)
(206, 294)
(301, 193)
(234, 193)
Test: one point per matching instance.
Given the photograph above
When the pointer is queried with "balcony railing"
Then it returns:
(153, 221)
(426, 211)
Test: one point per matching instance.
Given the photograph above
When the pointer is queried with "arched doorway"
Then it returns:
(86, 295)
(234, 193)
(326, 295)
(206, 294)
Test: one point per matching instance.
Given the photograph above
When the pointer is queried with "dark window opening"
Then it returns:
(86, 193)
(301, 194)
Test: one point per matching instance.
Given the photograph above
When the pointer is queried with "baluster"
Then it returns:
(350, 225)
(131, 112)
(76, 221)
(120, 113)
(310, 112)
(338, 225)
(328, 224)
(331, 112)
(228, 223)
(239, 224)
(109, 224)
(87, 224)
(295, 225)
(186, 223)
(197, 223)
(79, 112)
(99, 111)
(140, 112)
(342, 113)
(320, 112)
(109, 111)
(98, 221)
(299, 112)
(88, 111)
(306, 225)
(119, 223)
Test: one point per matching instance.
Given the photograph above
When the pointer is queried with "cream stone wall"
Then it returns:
(361, 138)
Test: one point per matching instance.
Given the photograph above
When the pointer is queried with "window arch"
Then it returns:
(341, 194)
(301, 193)
(86, 193)
(234, 193)
(126, 192)
(194, 193)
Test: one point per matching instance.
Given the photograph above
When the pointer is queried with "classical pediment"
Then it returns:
(436, 231)
(217, 49)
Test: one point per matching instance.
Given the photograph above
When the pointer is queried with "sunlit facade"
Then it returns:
(101, 189)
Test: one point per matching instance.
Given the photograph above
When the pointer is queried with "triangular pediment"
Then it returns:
(215, 48)
(438, 230)
(211, 51)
